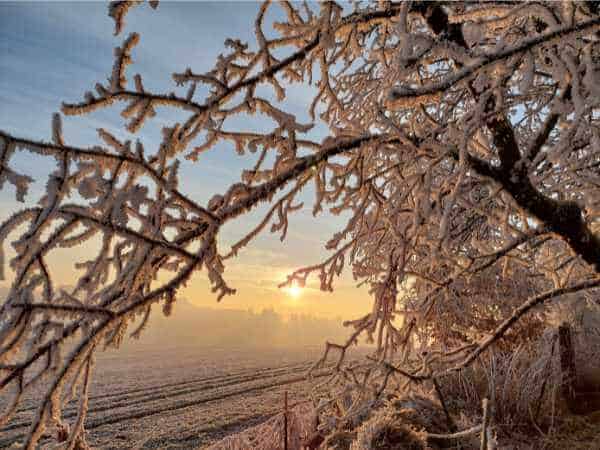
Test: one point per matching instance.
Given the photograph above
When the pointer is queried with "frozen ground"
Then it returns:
(181, 398)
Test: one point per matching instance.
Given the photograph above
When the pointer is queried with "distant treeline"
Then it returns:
(191, 325)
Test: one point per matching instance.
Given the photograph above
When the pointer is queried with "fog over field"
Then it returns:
(223, 327)
(195, 377)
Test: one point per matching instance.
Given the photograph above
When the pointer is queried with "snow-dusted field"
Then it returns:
(181, 398)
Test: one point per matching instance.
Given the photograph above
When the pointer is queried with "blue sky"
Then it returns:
(55, 51)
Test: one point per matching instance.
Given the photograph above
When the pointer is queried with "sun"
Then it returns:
(294, 291)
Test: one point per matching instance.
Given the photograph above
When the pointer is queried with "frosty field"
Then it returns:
(181, 398)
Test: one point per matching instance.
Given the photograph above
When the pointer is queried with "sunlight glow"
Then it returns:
(294, 291)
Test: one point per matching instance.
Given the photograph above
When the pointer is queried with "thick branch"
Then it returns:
(565, 218)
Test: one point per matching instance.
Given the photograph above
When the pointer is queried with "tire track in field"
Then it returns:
(224, 376)
(162, 392)
(197, 380)
(91, 424)
(186, 404)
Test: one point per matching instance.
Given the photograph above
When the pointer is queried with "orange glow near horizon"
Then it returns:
(255, 274)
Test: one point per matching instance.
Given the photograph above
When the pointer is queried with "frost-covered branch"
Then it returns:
(496, 180)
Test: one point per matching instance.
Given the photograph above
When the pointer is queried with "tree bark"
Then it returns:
(565, 218)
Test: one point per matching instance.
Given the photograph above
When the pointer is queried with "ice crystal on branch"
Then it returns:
(463, 148)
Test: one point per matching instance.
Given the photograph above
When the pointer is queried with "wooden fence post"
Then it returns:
(484, 425)
(285, 421)
(567, 365)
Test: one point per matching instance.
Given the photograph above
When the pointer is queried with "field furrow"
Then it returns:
(180, 411)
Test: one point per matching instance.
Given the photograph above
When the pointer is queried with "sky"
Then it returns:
(52, 52)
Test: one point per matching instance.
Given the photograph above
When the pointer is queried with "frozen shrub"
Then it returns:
(269, 435)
